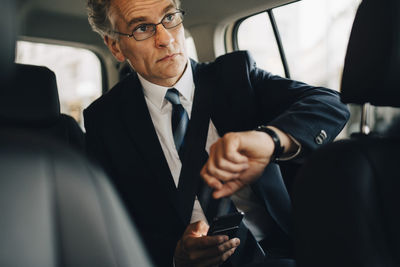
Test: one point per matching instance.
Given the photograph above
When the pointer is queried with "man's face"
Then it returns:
(160, 59)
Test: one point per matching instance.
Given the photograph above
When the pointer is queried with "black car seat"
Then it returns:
(346, 197)
(56, 208)
(31, 103)
(59, 210)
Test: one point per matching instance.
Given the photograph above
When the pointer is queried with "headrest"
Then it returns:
(8, 37)
(31, 98)
(372, 65)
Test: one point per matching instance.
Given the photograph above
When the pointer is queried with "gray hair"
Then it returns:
(99, 16)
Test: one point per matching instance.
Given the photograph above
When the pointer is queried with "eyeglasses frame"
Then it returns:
(131, 35)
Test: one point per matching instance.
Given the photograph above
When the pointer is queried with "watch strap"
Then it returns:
(278, 150)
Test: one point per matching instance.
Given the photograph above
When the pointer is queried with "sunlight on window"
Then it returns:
(314, 34)
(255, 34)
(78, 73)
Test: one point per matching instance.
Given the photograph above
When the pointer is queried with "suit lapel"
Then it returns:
(140, 127)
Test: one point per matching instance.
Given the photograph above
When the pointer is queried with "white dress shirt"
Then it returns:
(256, 218)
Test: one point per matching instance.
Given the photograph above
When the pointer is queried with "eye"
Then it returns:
(169, 17)
(142, 28)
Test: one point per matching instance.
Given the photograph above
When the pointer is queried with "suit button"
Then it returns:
(320, 138)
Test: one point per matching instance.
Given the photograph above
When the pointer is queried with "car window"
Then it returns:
(314, 35)
(315, 44)
(256, 35)
(78, 73)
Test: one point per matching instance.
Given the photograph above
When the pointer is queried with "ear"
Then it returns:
(114, 46)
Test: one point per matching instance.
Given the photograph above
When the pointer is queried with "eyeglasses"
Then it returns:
(145, 31)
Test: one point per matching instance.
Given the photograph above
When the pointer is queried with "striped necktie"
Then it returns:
(179, 119)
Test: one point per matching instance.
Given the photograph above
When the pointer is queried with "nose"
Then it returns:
(163, 37)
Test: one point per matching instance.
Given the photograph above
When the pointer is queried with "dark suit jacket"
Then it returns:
(237, 96)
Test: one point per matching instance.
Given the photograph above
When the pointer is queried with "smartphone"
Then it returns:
(226, 224)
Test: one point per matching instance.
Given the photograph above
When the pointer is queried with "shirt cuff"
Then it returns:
(292, 155)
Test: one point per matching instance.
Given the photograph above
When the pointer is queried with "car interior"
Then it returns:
(60, 209)
(39, 109)
(344, 203)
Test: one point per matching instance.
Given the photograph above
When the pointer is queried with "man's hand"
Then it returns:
(195, 248)
(235, 160)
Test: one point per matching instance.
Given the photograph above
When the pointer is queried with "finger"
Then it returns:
(224, 247)
(228, 189)
(219, 259)
(211, 170)
(199, 228)
(210, 180)
(227, 147)
(222, 175)
(215, 251)
(234, 156)
(217, 161)
(203, 243)
(196, 230)
(229, 166)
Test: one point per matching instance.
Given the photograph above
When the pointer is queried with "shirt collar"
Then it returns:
(156, 93)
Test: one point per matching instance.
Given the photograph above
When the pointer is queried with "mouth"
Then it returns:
(168, 57)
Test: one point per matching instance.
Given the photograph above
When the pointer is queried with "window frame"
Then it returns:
(275, 29)
(103, 68)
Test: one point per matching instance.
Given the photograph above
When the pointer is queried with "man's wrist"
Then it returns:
(278, 148)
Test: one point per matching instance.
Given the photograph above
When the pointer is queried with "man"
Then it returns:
(156, 170)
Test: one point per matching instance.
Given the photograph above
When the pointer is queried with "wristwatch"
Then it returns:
(278, 150)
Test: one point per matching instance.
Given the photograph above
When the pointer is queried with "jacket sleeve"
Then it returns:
(312, 115)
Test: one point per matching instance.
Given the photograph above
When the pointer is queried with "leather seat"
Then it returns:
(56, 208)
(346, 196)
(59, 210)
(31, 103)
